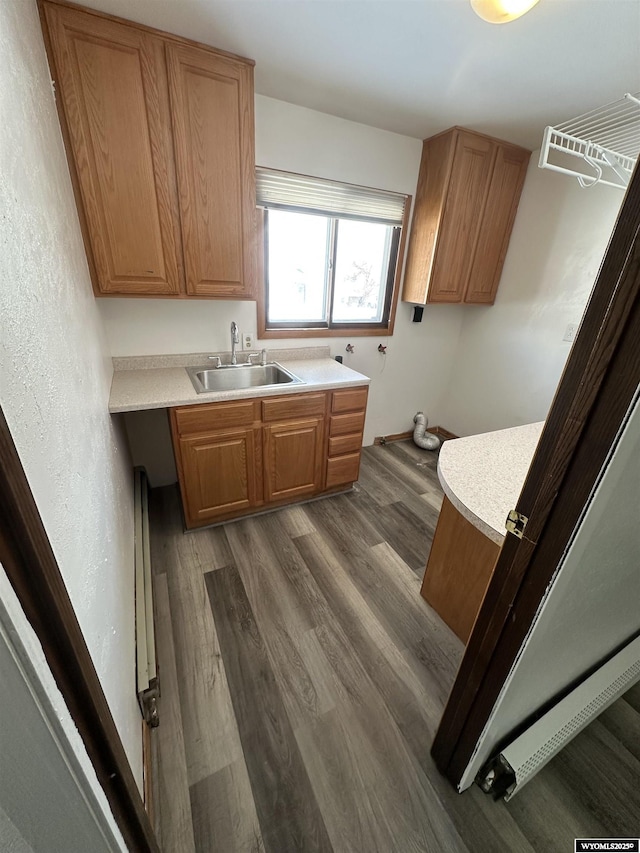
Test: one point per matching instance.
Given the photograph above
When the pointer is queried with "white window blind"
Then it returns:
(287, 191)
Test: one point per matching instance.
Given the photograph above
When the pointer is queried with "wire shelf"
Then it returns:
(600, 146)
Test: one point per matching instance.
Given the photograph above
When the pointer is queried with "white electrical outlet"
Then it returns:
(570, 332)
(247, 341)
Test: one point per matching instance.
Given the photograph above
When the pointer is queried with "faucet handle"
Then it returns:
(251, 355)
(217, 359)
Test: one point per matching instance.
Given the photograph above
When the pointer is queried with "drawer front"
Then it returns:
(343, 470)
(345, 424)
(349, 400)
(345, 444)
(293, 406)
(194, 419)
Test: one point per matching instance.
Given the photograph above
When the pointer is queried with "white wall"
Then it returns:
(511, 354)
(413, 374)
(592, 605)
(55, 370)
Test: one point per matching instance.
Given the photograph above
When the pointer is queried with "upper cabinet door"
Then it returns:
(500, 211)
(462, 217)
(112, 82)
(212, 107)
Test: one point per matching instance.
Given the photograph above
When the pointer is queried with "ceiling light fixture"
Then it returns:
(501, 11)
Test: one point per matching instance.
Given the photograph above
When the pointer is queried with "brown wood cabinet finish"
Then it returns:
(212, 106)
(220, 473)
(112, 86)
(468, 192)
(343, 469)
(236, 457)
(293, 457)
(459, 568)
(160, 142)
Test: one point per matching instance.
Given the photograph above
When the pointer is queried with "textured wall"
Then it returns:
(55, 370)
(413, 374)
(511, 354)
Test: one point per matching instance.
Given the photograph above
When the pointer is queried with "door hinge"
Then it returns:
(516, 523)
(148, 700)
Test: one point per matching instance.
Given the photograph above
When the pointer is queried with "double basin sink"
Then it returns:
(235, 377)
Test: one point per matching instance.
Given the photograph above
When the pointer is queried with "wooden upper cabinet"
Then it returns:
(212, 104)
(468, 192)
(111, 80)
(160, 139)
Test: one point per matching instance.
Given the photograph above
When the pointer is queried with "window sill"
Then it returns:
(349, 332)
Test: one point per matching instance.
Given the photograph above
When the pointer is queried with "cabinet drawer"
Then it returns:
(345, 424)
(343, 470)
(194, 419)
(345, 444)
(293, 406)
(349, 400)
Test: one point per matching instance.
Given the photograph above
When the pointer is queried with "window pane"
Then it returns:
(298, 249)
(362, 260)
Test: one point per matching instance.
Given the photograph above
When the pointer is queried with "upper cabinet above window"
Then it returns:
(160, 141)
(468, 192)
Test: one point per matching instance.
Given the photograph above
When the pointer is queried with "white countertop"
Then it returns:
(482, 475)
(163, 387)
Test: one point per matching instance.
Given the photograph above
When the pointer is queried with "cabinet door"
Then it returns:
(497, 222)
(293, 457)
(471, 170)
(111, 79)
(212, 106)
(220, 474)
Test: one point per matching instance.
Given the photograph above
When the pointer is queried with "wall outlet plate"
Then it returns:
(570, 332)
(247, 341)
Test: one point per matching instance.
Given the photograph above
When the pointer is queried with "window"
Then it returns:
(331, 256)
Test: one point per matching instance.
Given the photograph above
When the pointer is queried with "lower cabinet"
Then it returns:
(220, 474)
(293, 457)
(236, 457)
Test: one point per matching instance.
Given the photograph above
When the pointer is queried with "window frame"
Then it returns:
(329, 329)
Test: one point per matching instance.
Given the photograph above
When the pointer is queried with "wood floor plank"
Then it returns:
(622, 720)
(283, 624)
(165, 527)
(205, 550)
(311, 676)
(410, 702)
(204, 692)
(286, 806)
(224, 813)
(408, 535)
(173, 806)
(295, 521)
(416, 478)
(581, 763)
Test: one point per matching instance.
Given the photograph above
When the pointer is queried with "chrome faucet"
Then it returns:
(235, 340)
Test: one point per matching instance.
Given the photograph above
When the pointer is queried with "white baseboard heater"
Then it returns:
(517, 763)
(146, 666)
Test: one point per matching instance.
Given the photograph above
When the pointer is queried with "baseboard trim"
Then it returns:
(402, 436)
(442, 432)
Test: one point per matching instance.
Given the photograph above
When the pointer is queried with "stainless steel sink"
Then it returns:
(236, 377)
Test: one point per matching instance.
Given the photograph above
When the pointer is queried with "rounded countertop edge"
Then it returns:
(482, 475)
(479, 523)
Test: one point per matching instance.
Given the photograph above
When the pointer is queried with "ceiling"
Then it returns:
(419, 66)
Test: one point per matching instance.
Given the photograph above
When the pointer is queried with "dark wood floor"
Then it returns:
(303, 678)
